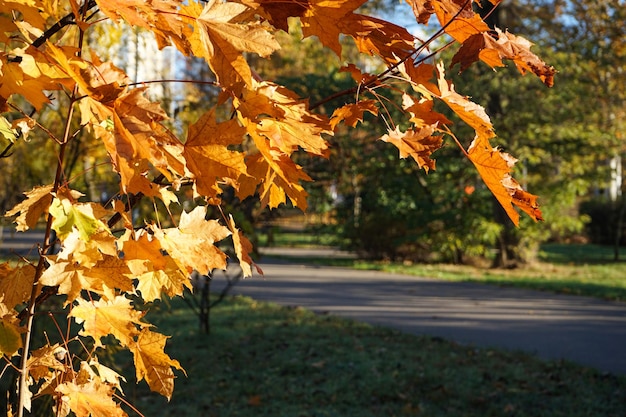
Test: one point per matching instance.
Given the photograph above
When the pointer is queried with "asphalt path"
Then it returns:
(585, 330)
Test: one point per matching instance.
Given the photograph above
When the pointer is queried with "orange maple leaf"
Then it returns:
(352, 113)
(495, 168)
(471, 113)
(324, 19)
(418, 144)
(207, 155)
(243, 247)
(493, 48)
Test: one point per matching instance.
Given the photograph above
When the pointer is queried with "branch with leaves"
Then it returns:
(97, 273)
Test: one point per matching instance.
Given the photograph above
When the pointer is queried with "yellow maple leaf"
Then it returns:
(155, 271)
(115, 317)
(93, 398)
(37, 203)
(192, 243)
(153, 364)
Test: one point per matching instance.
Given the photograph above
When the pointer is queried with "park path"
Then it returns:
(589, 331)
(585, 330)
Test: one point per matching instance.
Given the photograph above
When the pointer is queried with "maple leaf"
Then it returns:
(492, 49)
(495, 168)
(277, 177)
(69, 215)
(92, 398)
(224, 33)
(153, 364)
(10, 334)
(278, 114)
(155, 271)
(102, 318)
(422, 113)
(418, 144)
(41, 361)
(192, 244)
(243, 247)
(324, 19)
(422, 9)
(352, 113)
(277, 12)
(68, 276)
(37, 202)
(16, 284)
(459, 19)
(378, 37)
(207, 155)
(420, 76)
(157, 16)
(471, 113)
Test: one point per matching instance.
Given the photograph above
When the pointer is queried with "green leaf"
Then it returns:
(7, 130)
(10, 340)
(68, 215)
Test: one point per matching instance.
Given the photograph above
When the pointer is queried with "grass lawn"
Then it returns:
(264, 360)
(569, 269)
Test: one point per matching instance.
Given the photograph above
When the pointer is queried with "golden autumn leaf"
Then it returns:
(156, 272)
(153, 364)
(418, 144)
(225, 30)
(192, 244)
(69, 277)
(458, 18)
(44, 361)
(101, 318)
(16, 284)
(277, 177)
(207, 155)
(37, 203)
(278, 114)
(93, 398)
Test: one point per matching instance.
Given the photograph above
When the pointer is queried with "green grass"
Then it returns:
(264, 360)
(569, 269)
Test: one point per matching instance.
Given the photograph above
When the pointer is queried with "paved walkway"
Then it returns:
(585, 330)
